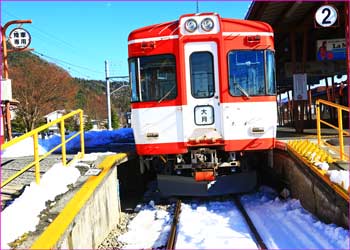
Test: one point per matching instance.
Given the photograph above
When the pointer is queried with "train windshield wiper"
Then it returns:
(244, 92)
(166, 94)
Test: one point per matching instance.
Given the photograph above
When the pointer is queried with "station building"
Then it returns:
(311, 60)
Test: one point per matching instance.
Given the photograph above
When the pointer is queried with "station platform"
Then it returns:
(321, 156)
(287, 134)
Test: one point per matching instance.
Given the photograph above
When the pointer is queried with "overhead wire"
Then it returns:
(61, 64)
(65, 62)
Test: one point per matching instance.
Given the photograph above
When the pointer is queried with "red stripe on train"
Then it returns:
(182, 147)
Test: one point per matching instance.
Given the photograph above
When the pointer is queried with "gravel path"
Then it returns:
(111, 242)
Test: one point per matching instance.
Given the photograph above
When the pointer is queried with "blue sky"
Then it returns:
(80, 35)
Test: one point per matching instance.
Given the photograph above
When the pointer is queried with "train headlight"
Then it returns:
(207, 24)
(191, 25)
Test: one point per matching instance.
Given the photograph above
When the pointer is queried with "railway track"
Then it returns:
(173, 231)
(171, 242)
(252, 228)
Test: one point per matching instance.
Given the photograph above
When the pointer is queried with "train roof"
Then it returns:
(172, 27)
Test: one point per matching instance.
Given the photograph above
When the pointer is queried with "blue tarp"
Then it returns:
(121, 140)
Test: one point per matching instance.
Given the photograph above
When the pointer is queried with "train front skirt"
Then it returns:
(170, 185)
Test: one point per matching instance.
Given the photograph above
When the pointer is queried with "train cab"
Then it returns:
(203, 96)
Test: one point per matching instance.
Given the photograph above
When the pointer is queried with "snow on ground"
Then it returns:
(219, 225)
(286, 224)
(213, 225)
(22, 215)
(22, 148)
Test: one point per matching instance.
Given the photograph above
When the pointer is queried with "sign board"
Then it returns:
(93, 172)
(300, 87)
(6, 90)
(19, 38)
(326, 16)
(331, 49)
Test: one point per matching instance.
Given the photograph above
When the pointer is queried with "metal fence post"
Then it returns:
(63, 141)
(318, 122)
(82, 142)
(36, 158)
(340, 134)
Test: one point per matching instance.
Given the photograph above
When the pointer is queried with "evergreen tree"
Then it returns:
(115, 119)
(88, 125)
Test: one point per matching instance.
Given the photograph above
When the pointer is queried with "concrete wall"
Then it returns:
(314, 195)
(97, 218)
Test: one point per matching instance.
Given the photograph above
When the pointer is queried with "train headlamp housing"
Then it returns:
(207, 24)
(191, 25)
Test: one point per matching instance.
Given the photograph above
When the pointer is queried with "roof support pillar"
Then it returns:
(347, 35)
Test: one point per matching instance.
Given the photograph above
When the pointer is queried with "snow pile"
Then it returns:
(300, 228)
(339, 177)
(322, 165)
(214, 225)
(22, 148)
(148, 230)
(15, 222)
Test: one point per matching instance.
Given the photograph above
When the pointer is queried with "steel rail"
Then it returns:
(173, 231)
(252, 228)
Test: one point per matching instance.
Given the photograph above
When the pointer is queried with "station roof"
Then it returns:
(295, 21)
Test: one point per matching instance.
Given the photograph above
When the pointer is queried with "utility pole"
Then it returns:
(20, 40)
(109, 93)
(109, 113)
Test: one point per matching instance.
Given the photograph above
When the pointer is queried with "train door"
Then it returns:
(202, 119)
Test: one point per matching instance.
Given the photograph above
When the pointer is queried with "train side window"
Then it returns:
(246, 72)
(271, 72)
(202, 74)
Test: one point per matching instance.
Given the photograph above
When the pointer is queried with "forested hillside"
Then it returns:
(42, 87)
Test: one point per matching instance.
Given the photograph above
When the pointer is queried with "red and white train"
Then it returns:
(203, 97)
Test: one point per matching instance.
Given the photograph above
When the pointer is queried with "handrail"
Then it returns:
(34, 133)
(341, 131)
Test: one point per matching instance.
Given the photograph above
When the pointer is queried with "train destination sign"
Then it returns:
(19, 38)
(204, 115)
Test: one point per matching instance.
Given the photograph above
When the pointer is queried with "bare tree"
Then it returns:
(40, 88)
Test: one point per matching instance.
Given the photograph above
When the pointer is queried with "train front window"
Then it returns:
(247, 73)
(133, 79)
(155, 78)
(271, 72)
(202, 74)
